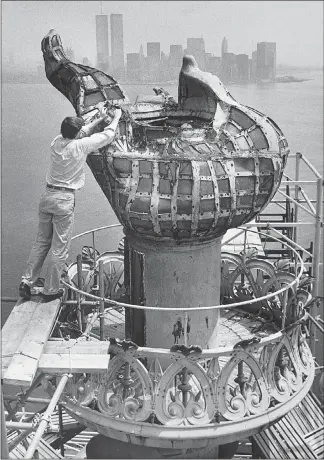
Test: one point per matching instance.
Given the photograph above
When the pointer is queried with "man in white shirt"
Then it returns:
(68, 157)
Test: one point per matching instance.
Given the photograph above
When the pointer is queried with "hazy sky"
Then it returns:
(296, 26)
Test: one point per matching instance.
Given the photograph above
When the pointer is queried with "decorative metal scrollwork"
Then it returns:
(249, 395)
(83, 388)
(184, 395)
(126, 391)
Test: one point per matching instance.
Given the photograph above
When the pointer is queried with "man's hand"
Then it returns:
(103, 112)
(118, 113)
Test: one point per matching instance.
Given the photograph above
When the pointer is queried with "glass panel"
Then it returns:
(259, 139)
(238, 220)
(225, 203)
(244, 201)
(60, 54)
(77, 68)
(184, 207)
(55, 41)
(185, 168)
(241, 118)
(232, 129)
(244, 164)
(122, 165)
(261, 200)
(89, 82)
(266, 182)
(141, 205)
(242, 143)
(205, 224)
(144, 185)
(145, 167)
(207, 206)
(184, 187)
(113, 93)
(206, 187)
(164, 206)
(244, 183)
(266, 164)
(230, 146)
(164, 186)
(65, 74)
(204, 169)
(223, 186)
(220, 171)
(93, 98)
(103, 79)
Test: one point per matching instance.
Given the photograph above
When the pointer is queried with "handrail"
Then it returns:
(209, 307)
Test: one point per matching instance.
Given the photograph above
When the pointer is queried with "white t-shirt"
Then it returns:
(68, 158)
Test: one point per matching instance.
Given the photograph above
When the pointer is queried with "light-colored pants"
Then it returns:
(56, 219)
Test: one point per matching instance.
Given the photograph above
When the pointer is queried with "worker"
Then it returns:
(66, 175)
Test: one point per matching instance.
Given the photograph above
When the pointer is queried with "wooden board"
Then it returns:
(60, 364)
(31, 333)
(14, 329)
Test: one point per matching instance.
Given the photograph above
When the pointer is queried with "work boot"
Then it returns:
(24, 291)
(50, 297)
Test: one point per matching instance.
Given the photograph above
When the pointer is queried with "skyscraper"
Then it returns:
(224, 46)
(196, 47)
(229, 67)
(133, 67)
(266, 61)
(153, 60)
(242, 62)
(102, 42)
(117, 44)
(175, 60)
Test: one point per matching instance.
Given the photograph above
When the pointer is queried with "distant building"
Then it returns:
(213, 64)
(242, 63)
(229, 67)
(153, 60)
(196, 47)
(266, 61)
(102, 42)
(133, 66)
(253, 74)
(117, 44)
(224, 46)
(175, 61)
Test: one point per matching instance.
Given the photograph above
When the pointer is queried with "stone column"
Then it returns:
(166, 274)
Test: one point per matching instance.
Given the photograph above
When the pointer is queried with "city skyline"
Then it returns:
(184, 19)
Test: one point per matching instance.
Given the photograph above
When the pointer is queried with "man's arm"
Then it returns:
(105, 137)
(89, 128)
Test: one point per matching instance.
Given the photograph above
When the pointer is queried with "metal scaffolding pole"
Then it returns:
(316, 259)
(298, 158)
(4, 444)
(43, 423)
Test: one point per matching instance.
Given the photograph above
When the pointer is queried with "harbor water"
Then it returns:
(31, 117)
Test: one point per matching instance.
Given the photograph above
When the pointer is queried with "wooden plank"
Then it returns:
(264, 444)
(60, 364)
(83, 347)
(283, 447)
(14, 329)
(297, 422)
(297, 444)
(311, 416)
(314, 409)
(23, 366)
